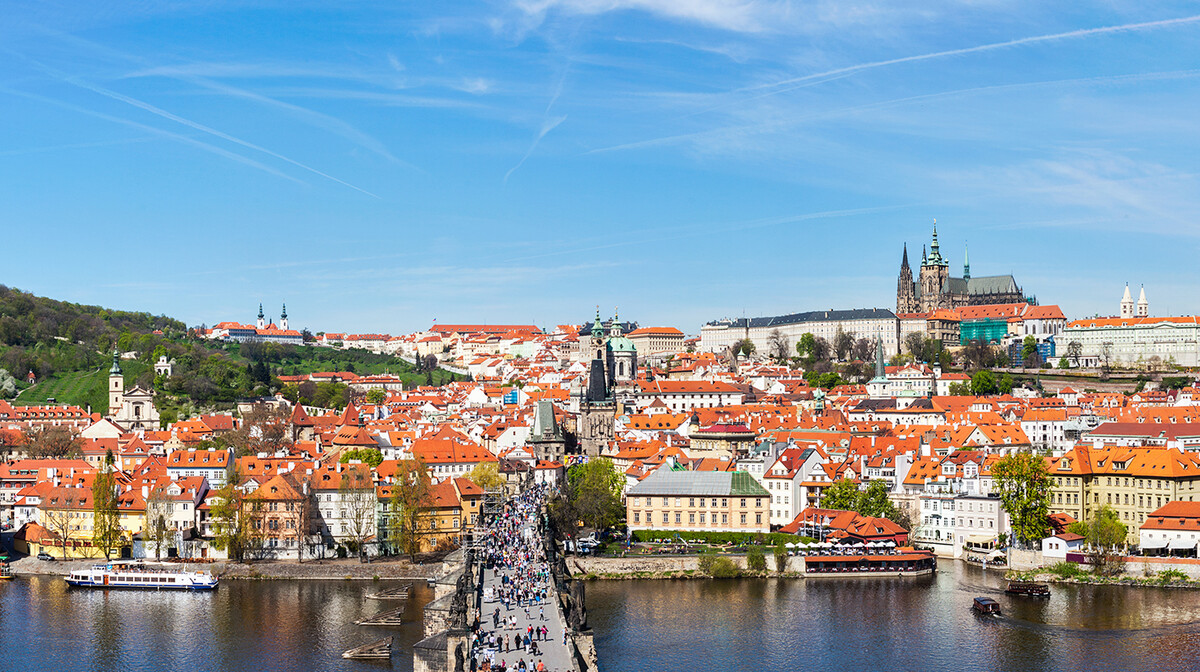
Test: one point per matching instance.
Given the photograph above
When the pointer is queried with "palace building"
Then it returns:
(934, 288)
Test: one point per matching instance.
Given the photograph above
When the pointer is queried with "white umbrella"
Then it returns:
(789, 545)
(889, 542)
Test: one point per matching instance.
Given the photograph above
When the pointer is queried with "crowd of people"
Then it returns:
(514, 559)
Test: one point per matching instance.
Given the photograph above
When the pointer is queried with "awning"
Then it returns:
(1182, 544)
(1151, 544)
(980, 539)
(997, 554)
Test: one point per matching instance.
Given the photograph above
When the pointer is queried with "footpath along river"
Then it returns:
(655, 626)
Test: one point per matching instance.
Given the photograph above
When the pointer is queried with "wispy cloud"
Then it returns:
(157, 111)
(736, 15)
(781, 86)
(547, 126)
(232, 156)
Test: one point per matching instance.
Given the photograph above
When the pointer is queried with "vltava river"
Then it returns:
(266, 626)
(879, 624)
(655, 626)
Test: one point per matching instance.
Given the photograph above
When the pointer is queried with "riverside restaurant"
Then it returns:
(856, 559)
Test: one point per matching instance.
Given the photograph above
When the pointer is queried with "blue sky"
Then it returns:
(386, 165)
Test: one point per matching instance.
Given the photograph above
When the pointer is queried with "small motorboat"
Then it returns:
(986, 605)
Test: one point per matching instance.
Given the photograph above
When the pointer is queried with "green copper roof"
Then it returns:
(620, 344)
(116, 367)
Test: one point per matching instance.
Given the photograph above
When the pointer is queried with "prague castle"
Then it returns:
(934, 288)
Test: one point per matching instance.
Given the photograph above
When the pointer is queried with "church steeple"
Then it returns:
(935, 255)
(261, 318)
(283, 323)
(597, 328)
(966, 264)
(904, 261)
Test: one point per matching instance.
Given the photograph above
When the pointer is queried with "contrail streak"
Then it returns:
(1084, 32)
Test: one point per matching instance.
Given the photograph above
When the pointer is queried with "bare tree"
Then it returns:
(914, 342)
(1106, 349)
(60, 522)
(843, 344)
(862, 350)
(357, 494)
(1074, 350)
(778, 346)
(155, 530)
(51, 441)
(820, 349)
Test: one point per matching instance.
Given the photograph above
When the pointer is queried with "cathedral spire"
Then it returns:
(966, 264)
(904, 262)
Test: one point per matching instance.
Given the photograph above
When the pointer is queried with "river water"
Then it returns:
(656, 626)
(889, 624)
(243, 625)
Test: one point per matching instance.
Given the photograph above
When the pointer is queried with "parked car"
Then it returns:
(45, 556)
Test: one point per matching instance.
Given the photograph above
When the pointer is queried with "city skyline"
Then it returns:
(381, 168)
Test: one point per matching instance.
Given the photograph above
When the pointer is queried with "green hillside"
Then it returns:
(79, 388)
(64, 344)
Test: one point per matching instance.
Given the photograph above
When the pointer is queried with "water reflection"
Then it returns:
(273, 625)
(889, 624)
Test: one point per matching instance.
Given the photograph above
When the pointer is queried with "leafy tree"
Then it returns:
(1106, 534)
(595, 488)
(1023, 482)
(1078, 527)
(376, 395)
(755, 560)
(370, 456)
(233, 518)
(960, 389)
(874, 501)
(410, 494)
(806, 345)
(487, 475)
(106, 520)
(8, 385)
(983, 382)
(842, 494)
(781, 557)
(1064, 363)
(1005, 385)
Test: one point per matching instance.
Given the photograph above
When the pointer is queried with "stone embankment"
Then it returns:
(659, 566)
(350, 569)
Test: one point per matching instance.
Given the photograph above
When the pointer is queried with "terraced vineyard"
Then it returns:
(78, 388)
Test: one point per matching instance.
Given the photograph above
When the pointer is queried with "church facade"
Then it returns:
(614, 365)
(934, 288)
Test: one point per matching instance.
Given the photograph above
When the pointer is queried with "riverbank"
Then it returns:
(667, 567)
(1165, 579)
(318, 570)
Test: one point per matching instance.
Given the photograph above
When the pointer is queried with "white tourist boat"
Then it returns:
(147, 576)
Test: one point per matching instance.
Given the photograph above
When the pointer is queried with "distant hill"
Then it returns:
(67, 346)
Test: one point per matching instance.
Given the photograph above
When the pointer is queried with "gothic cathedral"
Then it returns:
(934, 288)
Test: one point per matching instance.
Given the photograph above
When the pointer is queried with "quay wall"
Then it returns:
(674, 566)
